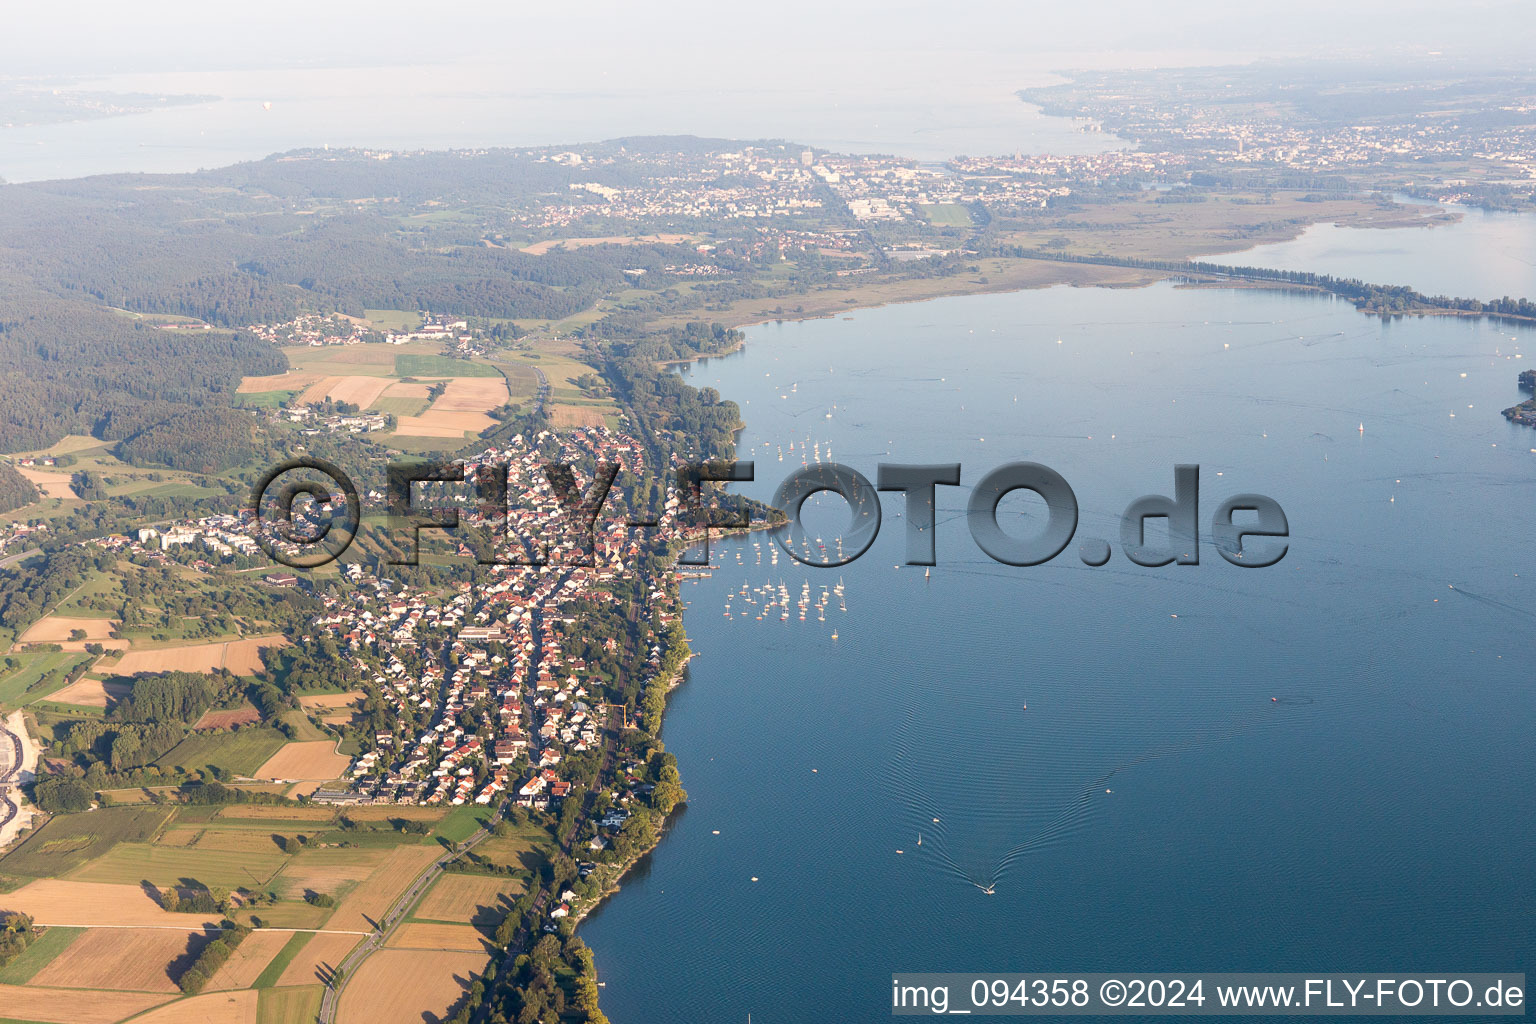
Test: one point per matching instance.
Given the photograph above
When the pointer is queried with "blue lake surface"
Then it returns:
(1319, 766)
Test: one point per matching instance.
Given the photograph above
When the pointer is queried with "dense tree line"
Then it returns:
(1372, 298)
(15, 489)
(173, 696)
(213, 956)
(26, 593)
(203, 440)
(16, 933)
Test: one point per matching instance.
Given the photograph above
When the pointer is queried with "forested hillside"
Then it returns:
(15, 489)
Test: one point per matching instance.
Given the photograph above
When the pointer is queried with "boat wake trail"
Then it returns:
(1080, 812)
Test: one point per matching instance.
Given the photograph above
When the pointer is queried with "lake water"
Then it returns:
(1488, 254)
(913, 110)
(1319, 766)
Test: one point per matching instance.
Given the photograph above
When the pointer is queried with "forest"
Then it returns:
(15, 489)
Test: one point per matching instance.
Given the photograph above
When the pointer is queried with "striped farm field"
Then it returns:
(371, 900)
(407, 986)
(122, 960)
(329, 870)
(457, 897)
(257, 812)
(208, 1008)
(58, 901)
(23, 1002)
(289, 1005)
(358, 390)
(242, 657)
(419, 935)
(311, 761)
(249, 959)
(127, 863)
(293, 380)
(318, 957)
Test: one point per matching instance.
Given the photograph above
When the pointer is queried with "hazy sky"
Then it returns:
(709, 38)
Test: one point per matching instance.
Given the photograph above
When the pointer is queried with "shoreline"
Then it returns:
(868, 297)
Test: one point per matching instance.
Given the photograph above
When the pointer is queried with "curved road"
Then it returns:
(10, 775)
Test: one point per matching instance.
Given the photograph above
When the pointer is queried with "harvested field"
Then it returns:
(91, 693)
(293, 380)
(234, 840)
(313, 761)
(53, 485)
(23, 1002)
(330, 701)
(246, 715)
(462, 407)
(84, 904)
(462, 937)
(360, 391)
(540, 248)
(371, 900)
(127, 863)
(242, 657)
(358, 355)
(467, 897)
(407, 389)
(319, 957)
(123, 959)
(398, 986)
(406, 811)
(259, 813)
(54, 629)
(327, 870)
(566, 416)
(249, 959)
(209, 1008)
(289, 1005)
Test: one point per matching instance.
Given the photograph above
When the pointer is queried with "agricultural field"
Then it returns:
(51, 483)
(52, 942)
(367, 904)
(68, 903)
(123, 960)
(435, 366)
(399, 986)
(69, 840)
(460, 410)
(289, 1005)
(358, 391)
(59, 629)
(128, 863)
(209, 1008)
(242, 657)
(331, 870)
(951, 215)
(89, 692)
(524, 850)
(249, 960)
(241, 752)
(311, 761)
(459, 897)
(433, 936)
(317, 958)
(25, 1003)
(229, 718)
(33, 667)
(332, 708)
